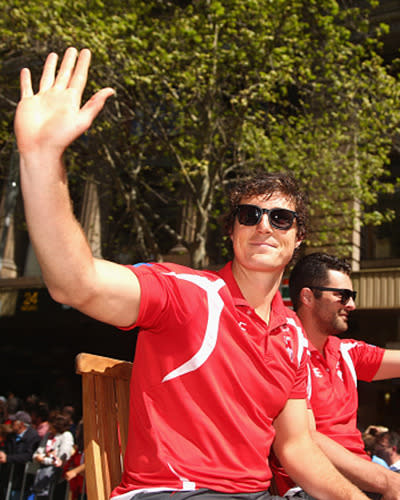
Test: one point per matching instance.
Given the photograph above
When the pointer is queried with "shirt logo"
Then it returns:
(317, 372)
(339, 371)
(289, 346)
(243, 326)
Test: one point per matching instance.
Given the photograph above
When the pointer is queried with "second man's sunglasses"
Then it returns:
(279, 218)
(345, 293)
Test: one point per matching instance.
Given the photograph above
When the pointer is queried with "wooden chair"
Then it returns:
(105, 404)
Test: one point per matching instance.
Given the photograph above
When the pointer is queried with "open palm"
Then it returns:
(53, 118)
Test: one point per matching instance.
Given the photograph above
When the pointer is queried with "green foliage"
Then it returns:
(208, 90)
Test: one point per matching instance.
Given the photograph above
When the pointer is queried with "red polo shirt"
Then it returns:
(208, 379)
(334, 396)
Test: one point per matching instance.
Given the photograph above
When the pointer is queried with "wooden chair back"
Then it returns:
(105, 405)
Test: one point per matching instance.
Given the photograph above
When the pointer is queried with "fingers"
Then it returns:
(93, 107)
(26, 83)
(69, 74)
(79, 77)
(67, 66)
(49, 70)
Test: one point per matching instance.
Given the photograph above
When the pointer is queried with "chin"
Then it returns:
(262, 266)
(341, 328)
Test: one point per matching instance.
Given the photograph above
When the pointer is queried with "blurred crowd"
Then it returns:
(50, 441)
(383, 446)
(41, 450)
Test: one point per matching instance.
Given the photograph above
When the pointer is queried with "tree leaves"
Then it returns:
(208, 90)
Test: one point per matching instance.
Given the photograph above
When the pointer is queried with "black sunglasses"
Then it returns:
(345, 293)
(279, 218)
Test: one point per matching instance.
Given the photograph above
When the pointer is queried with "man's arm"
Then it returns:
(365, 474)
(25, 452)
(45, 124)
(390, 365)
(313, 471)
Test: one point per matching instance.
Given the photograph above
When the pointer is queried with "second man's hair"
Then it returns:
(312, 270)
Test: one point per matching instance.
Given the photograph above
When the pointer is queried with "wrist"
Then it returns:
(382, 481)
(40, 157)
(392, 483)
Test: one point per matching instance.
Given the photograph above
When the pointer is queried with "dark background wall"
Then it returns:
(39, 344)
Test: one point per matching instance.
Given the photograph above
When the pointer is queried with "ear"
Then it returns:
(298, 242)
(306, 296)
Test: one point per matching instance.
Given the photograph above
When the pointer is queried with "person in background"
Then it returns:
(70, 412)
(369, 437)
(219, 369)
(55, 448)
(18, 450)
(14, 403)
(387, 447)
(40, 418)
(74, 468)
(322, 294)
(5, 430)
(4, 417)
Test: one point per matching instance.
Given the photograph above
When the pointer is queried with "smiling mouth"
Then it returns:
(264, 244)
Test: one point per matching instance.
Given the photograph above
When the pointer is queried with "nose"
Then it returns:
(351, 305)
(264, 225)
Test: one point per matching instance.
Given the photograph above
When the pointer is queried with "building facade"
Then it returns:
(42, 335)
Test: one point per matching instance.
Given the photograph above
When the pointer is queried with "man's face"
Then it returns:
(262, 247)
(329, 314)
(17, 426)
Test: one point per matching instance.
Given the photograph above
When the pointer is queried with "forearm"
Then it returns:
(304, 461)
(72, 473)
(19, 458)
(365, 474)
(390, 365)
(315, 473)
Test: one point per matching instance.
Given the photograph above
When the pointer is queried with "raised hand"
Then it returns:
(47, 122)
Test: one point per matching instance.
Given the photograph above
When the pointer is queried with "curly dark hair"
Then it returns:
(268, 184)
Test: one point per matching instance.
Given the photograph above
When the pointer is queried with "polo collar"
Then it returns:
(278, 315)
(331, 347)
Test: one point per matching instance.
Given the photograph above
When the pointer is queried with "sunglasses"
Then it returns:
(345, 293)
(279, 218)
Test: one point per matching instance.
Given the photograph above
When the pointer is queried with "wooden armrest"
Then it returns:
(101, 365)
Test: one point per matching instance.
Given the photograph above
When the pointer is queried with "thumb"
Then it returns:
(95, 104)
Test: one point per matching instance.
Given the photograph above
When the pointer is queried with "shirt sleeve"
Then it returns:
(299, 389)
(300, 386)
(155, 295)
(165, 289)
(66, 446)
(367, 358)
